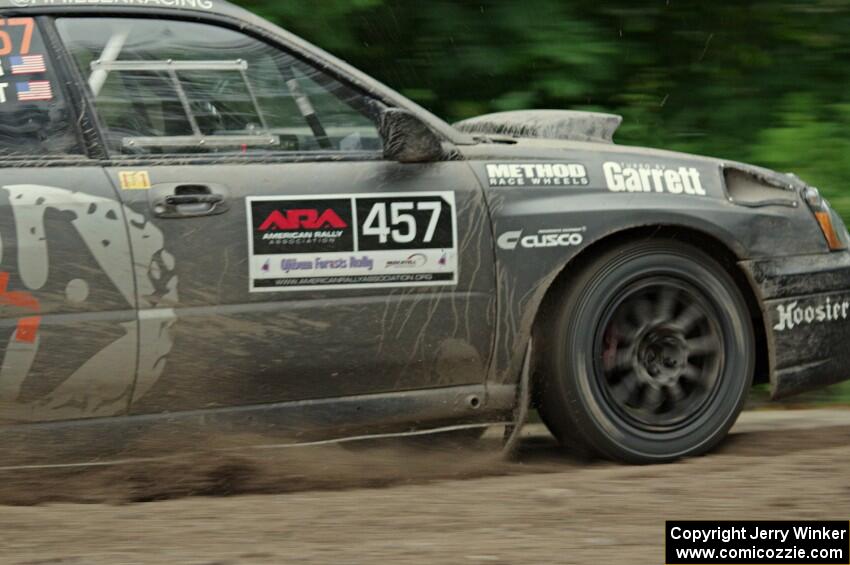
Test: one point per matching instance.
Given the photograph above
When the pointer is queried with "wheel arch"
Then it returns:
(714, 246)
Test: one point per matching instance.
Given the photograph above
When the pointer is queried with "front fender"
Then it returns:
(541, 231)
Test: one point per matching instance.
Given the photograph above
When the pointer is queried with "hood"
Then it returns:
(549, 135)
(546, 124)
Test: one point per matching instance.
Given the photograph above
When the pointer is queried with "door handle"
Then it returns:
(174, 201)
(183, 199)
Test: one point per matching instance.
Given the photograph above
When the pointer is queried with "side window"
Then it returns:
(167, 86)
(35, 119)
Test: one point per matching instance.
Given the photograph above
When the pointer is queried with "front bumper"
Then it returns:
(805, 301)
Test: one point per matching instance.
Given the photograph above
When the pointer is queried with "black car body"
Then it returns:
(208, 222)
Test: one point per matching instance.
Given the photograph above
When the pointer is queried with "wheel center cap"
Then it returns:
(661, 356)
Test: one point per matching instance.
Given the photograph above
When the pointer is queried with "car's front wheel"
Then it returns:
(648, 355)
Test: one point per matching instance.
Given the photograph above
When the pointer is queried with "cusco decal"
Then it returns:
(352, 241)
(557, 237)
(537, 174)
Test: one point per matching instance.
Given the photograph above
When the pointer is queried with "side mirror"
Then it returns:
(407, 139)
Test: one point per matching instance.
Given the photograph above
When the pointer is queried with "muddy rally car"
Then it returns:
(208, 223)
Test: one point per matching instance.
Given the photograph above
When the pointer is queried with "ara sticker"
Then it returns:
(352, 241)
(134, 180)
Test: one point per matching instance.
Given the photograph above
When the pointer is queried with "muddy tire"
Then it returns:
(648, 356)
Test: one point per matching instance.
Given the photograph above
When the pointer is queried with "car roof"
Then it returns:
(219, 7)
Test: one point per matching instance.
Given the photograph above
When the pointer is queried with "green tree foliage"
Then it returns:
(752, 80)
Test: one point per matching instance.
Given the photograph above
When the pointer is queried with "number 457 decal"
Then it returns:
(7, 44)
(406, 222)
(404, 225)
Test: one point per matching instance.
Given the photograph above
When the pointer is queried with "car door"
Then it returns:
(297, 263)
(68, 328)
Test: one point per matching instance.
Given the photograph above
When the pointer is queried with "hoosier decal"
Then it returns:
(537, 174)
(352, 241)
(623, 177)
(792, 315)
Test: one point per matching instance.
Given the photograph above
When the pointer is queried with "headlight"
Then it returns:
(826, 218)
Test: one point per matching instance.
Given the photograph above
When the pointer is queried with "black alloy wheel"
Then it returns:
(649, 354)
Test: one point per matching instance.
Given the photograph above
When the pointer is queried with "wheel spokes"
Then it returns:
(662, 353)
(653, 398)
(666, 303)
(677, 394)
(623, 359)
(625, 389)
(689, 317)
(643, 311)
(691, 374)
(702, 346)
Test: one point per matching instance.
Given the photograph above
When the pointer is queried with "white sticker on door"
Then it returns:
(351, 241)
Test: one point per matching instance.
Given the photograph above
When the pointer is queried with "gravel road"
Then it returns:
(398, 506)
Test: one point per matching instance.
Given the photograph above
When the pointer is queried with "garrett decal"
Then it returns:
(538, 174)
(622, 177)
(562, 237)
(352, 241)
(792, 315)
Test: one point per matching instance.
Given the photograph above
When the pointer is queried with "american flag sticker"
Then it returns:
(34, 91)
(27, 64)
